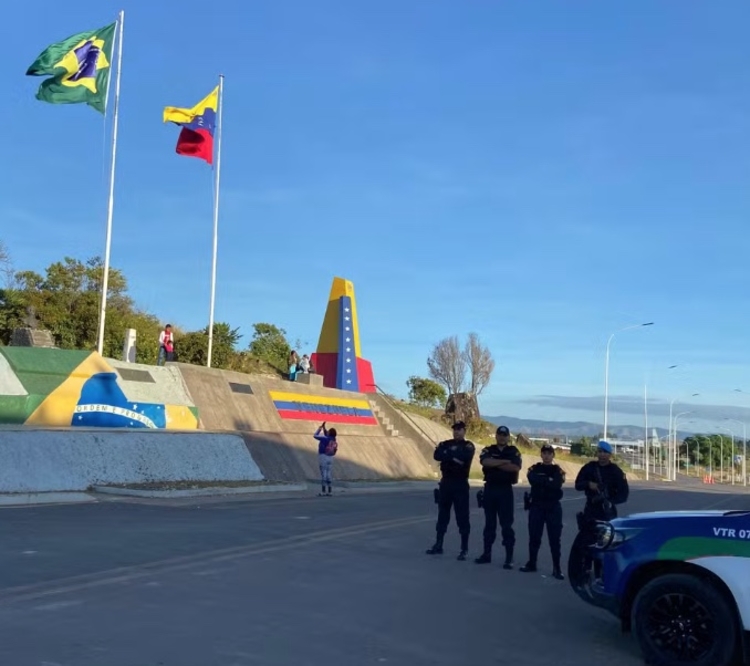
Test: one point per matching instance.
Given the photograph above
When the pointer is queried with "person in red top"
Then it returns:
(166, 345)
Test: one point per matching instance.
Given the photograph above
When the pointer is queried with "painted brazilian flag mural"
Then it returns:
(63, 388)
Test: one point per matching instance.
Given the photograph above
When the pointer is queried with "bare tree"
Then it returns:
(480, 363)
(6, 268)
(447, 365)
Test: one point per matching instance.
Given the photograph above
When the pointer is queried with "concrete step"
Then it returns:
(394, 433)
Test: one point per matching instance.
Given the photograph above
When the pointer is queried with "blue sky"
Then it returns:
(541, 173)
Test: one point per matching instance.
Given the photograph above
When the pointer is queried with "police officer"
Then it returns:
(501, 464)
(455, 457)
(546, 479)
(606, 486)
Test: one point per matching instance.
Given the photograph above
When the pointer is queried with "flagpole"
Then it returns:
(216, 221)
(110, 205)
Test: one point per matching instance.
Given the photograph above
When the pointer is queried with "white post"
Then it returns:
(645, 418)
(110, 205)
(216, 222)
(606, 372)
(606, 386)
(669, 448)
(128, 348)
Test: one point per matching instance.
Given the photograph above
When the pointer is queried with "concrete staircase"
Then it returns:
(383, 419)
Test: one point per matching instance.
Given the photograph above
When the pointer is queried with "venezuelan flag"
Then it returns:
(198, 125)
(318, 408)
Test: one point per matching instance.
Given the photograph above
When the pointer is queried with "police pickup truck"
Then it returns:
(679, 580)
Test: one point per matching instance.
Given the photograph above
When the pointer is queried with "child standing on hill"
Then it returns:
(327, 448)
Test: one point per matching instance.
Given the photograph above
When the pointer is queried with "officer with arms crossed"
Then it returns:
(455, 457)
(501, 464)
(606, 486)
(546, 479)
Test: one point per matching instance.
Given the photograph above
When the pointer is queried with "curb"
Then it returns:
(198, 492)
(25, 499)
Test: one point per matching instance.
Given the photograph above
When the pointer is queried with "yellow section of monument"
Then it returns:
(179, 417)
(58, 407)
(328, 342)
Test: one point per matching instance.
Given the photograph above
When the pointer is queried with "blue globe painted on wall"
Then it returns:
(103, 405)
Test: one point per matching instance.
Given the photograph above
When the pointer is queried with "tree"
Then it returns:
(480, 363)
(447, 365)
(425, 392)
(6, 266)
(192, 347)
(583, 447)
(269, 343)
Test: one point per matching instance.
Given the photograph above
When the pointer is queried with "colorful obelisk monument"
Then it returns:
(339, 356)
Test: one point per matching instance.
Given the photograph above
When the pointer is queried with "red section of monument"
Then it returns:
(366, 378)
(327, 364)
(319, 417)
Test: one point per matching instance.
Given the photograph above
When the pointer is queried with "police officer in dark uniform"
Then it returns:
(546, 479)
(606, 486)
(455, 457)
(501, 464)
(604, 483)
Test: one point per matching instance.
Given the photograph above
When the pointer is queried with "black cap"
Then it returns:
(503, 430)
(548, 447)
(458, 425)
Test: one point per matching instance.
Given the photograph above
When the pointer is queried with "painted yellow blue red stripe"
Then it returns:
(319, 408)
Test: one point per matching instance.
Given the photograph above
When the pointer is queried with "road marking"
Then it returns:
(130, 573)
(57, 605)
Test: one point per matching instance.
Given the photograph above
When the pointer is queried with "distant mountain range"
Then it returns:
(571, 429)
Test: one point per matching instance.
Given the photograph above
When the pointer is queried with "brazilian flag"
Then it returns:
(79, 68)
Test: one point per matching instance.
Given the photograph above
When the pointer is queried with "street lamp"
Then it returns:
(606, 369)
(744, 447)
(673, 441)
(676, 465)
(722, 452)
(646, 451)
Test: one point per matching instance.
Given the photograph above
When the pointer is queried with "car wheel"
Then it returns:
(680, 619)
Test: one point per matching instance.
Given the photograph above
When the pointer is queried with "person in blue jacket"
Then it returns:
(327, 448)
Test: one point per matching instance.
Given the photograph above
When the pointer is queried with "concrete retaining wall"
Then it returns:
(34, 460)
(285, 448)
(294, 457)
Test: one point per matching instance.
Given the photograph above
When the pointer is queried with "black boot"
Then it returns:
(530, 566)
(556, 571)
(484, 558)
(437, 549)
(508, 557)
(464, 547)
(330, 491)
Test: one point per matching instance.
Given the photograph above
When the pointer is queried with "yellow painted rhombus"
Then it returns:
(91, 397)
(328, 343)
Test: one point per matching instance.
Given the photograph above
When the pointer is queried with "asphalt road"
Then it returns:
(301, 581)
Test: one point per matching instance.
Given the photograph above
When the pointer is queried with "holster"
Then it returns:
(436, 494)
(480, 498)
(526, 500)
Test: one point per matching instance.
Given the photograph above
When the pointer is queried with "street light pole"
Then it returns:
(722, 449)
(744, 451)
(646, 443)
(675, 442)
(672, 448)
(606, 370)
